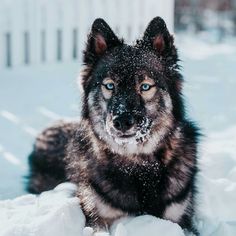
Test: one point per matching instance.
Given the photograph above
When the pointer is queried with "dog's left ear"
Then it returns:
(157, 38)
(100, 40)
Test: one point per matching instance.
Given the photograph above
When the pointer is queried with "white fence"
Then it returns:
(49, 31)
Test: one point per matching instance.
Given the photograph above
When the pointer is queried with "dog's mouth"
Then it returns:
(120, 135)
(124, 136)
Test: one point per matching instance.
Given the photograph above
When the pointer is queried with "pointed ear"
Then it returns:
(158, 38)
(100, 40)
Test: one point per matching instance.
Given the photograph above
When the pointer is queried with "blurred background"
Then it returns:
(41, 45)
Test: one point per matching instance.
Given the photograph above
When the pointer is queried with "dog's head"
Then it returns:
(131, 93)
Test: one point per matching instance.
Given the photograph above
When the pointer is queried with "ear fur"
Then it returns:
(157, 38)
(100, 40)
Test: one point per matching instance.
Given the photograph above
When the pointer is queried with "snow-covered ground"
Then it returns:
(57, 212)
(32, 98)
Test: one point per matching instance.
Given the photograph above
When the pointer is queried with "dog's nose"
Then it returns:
(124, 122)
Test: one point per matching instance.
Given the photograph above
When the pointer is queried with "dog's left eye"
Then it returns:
(145, 87)
(109, 86)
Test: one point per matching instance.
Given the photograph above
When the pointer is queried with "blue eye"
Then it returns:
(145, 87)
(109, 86)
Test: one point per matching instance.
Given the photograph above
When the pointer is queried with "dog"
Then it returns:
(133, 152)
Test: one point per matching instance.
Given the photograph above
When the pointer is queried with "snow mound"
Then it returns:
(140, 226)
(147, 225)
(57, 212)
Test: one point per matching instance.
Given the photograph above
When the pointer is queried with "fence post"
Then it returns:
(2, 30)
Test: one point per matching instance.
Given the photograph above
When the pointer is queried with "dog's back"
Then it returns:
(47, 166)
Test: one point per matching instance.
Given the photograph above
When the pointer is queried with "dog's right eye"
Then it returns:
(109, 86)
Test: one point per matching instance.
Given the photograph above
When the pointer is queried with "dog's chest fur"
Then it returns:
(136, 178)
(113, 185)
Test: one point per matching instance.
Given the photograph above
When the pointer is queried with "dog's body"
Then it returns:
(133, 152)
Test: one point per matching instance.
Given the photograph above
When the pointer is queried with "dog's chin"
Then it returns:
(130, 138)
(124, 139)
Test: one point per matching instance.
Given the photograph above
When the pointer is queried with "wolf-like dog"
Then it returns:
(134, 152)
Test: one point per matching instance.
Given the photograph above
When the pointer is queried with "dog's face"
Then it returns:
(127, 89)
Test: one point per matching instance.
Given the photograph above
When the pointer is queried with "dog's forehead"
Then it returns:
(128, 61)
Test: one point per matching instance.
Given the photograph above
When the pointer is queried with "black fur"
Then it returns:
(154, 175)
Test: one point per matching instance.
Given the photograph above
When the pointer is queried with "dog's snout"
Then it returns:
(124, 122)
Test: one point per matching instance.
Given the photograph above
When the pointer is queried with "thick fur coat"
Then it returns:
(134, 151)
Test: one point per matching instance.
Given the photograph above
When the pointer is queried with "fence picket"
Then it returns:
(41, 31)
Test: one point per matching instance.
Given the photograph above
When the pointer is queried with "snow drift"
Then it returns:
(57, 212)
(54, 212)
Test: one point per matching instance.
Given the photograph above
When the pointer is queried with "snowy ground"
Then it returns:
(32, 99)
(58, 213)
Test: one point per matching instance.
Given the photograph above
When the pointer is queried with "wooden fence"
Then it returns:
(50, 31)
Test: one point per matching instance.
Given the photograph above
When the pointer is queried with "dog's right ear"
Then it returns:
(158, 39)
(100, 40)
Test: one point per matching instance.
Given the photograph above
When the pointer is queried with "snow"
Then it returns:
(54, 212)
(209, 73)
(57, 212)
(147, 225)
(217, 185)
(210, 83)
